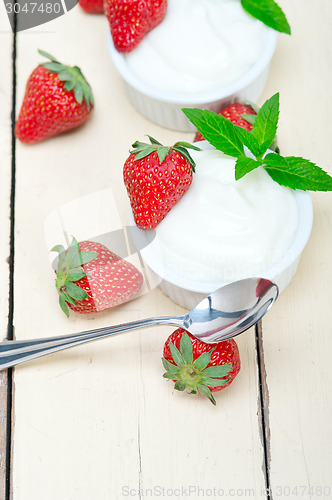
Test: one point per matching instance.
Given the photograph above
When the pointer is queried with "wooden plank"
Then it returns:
(6, 41)
(101, 417)
(297, 332)
(3, 432)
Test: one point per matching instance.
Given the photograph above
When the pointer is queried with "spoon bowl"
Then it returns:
(231, 310)
(223, 314)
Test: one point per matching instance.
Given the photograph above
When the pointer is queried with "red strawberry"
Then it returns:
(234, 113)
(92, 6)
(131, 20)
(198, 366)
(91, 278)
(57, 98)
(156, 177)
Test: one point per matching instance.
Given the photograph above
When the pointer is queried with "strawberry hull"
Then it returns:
(187, 291)
(234, 114)
(57, 99)
(156, 178)
(200, 367)
(224, 352)
(91, 278)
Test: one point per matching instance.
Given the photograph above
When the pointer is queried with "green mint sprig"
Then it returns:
(291, 171)
(269, 12)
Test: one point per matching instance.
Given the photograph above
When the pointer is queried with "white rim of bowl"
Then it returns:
(305, 214)
(131, 79)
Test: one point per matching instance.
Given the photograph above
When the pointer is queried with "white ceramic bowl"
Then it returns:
(187, 293)
(165, 109)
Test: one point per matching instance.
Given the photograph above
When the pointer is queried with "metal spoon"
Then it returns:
(221, 315)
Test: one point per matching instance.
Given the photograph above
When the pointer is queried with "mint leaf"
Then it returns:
(266, 123)
(249, 140)
(297, 173)
(244, 165)
(249, 118)
(269, 13)
(291, 171)
(216, 129)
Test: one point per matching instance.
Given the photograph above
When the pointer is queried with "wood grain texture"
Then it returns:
(99, 421)
(6, 41)
(297, 333)
(3, 433)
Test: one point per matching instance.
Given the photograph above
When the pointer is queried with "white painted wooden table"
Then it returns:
(99, 422)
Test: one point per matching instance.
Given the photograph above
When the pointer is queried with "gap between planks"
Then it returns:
(263, 408)
(6, 388)
(6, 378)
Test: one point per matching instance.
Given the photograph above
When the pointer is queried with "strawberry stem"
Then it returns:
(196, 376)
(142, 149)
(70, 270)
(73, 78)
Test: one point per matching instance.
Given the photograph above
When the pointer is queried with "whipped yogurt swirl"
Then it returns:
(201, 45)
(222, 229)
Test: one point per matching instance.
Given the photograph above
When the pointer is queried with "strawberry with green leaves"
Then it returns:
(131, 20)
(290, 171)
(57, 98)
(90, 278)
(239, 114)
(200, 367)
(242, 115)
(156, 177)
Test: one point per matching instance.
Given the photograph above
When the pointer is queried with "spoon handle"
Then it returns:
(14, 352)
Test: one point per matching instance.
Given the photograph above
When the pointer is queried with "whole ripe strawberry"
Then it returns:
(57, 98)
(92, 6)
(131, 20)
(236, 113)
(200, 367)
(90, 278)
(156, 177)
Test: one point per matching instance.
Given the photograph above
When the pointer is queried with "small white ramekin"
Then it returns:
(187, 293)
(166, 109)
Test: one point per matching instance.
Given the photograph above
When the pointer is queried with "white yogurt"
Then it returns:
(222, 229)
(201, 45)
